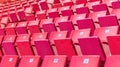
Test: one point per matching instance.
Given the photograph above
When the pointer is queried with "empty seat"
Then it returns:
(8, 45)
(35, 6)
(54, 61)
(42, 44)
(109, 20)
(29, 61)
(92, 46)
(66, 26)
(21, 28)
(74, 18)
(83, 10)
(10, 29)
(48, 25)
(9, 61)
(75, 6)
(21, 15)
(52, 13)
(60, 19)
(23, 44)
(85, 61)
(33, 27)
(75, 34)
(41, 15)
(57, 35)
(112, 61)
(13, 16)
(43, 5)
(96, 15)
(91, 3)
(86, 23)
(30, 17)
(67, 44)
(102, 7)
(103, 32)
(113, 42)
(65, 11)
(116, 8)
(116, 4)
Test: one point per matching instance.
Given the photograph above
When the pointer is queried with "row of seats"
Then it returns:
(40, 44)
(58, 61)
(59, 24)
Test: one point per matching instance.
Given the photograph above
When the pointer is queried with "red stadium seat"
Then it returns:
(86, 23)
(41, 15)
(13, 16)
(53, 13)
(57, 35)
(10, 29)
(65, 11)
(92, 3)
(82, 33)
(44, 5)
(113, 42)
(112, 61)
(74, 18)
(54, 61)
(33, 27)
(8, 45)
(23, 44)
(102, 7)
(21, 28)
(9, 61)
(85, 61)
(95, 15)
(116, 8)
(76, 6)
(116, 4)
(83, 10)
(35, 7)
(48, 25)
(67, 44)
(109, 20)
(42, 44)
(103, 32)
(21, 14)
(60, 19)
(66, 26)
(92, 46)
(29, 61)
(30, 17)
